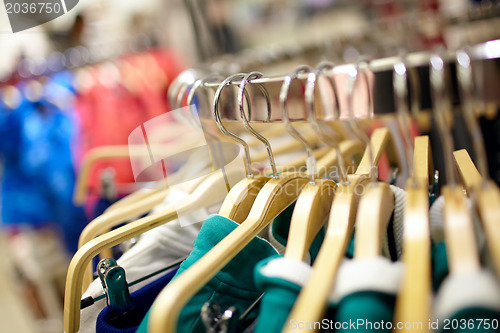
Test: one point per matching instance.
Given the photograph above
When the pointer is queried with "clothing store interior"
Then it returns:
(248, 166)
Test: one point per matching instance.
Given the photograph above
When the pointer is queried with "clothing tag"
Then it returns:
(311, 165)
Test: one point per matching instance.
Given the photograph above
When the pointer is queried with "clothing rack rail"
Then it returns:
(485, 62)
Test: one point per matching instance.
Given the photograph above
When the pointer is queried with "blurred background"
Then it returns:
(88, 78)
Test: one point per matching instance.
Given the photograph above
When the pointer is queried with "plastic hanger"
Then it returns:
(480, 187)
(312, 300)
(459, 229)
(413, 303)
(315, 200)
(275, 196)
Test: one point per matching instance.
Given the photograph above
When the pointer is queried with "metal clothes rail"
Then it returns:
(485, 63)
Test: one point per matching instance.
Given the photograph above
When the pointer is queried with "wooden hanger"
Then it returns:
(105, 222)
(237, 204)
(144, 201)
(103, 153)
(276, 195)
(413, 302)
(140, 202)
(460, 239)
(206, 194)
(312, 301)
(479, 186)
(210, 191)
(309, 221)
(467, 171)
(487, 196)
(124, 210)
(234, 206)
(372, 218)
(315, 200)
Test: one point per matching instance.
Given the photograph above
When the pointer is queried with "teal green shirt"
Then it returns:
(279, 293)
(365, 298)
(439, 265)
(373, 307)
(232, 286)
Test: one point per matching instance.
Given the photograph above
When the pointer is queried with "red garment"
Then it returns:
(109, 112)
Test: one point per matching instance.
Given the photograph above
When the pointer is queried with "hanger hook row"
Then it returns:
(247, 79)
(285, 87)
(441, 110)
(356, 69)
(229, 80)
(312, 117)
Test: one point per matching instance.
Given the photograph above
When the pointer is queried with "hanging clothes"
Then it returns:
(39, 168)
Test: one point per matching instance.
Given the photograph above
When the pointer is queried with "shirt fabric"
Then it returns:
(108, 322)
(439, 265)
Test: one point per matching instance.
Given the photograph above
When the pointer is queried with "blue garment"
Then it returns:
(142, 299)
(39, 176)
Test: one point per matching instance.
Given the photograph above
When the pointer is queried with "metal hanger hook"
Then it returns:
(469, 102)
(247, 79)
(354, 75)
(312, 117)
(186, 78)
(441, 108)
(285, 87)
(211, 138)
(400, 86)
(221, 126)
